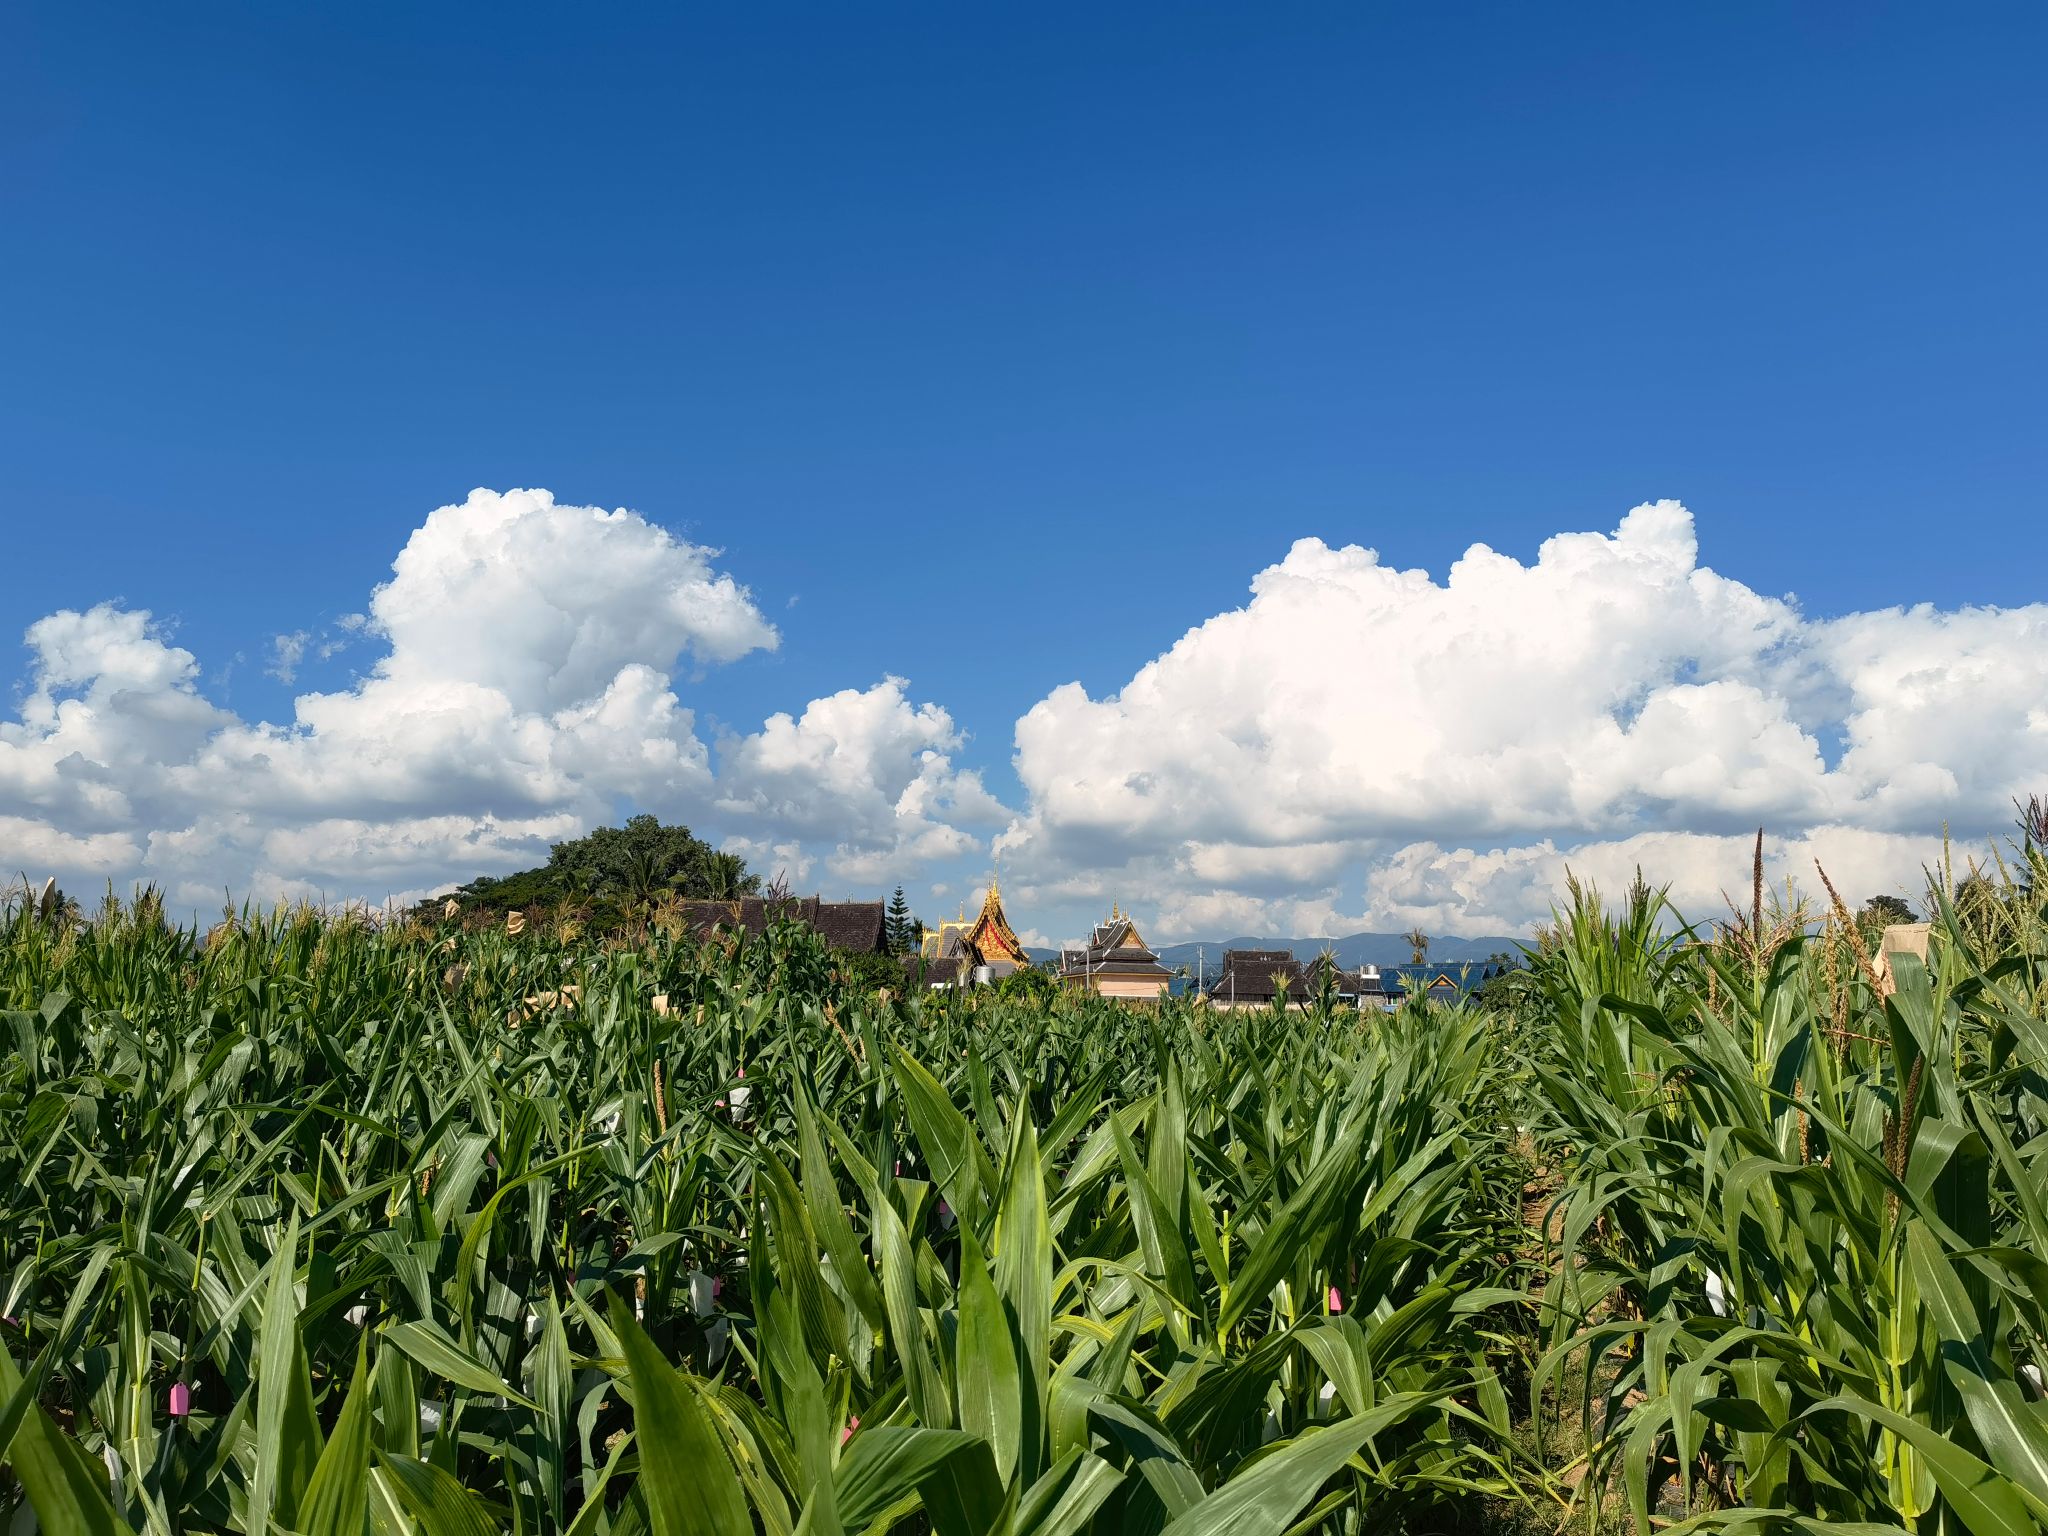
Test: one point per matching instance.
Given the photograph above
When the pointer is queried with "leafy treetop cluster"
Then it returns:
(641, 861)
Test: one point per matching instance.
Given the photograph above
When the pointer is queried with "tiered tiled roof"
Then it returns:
(1114, 948)
(954, 951)
(1258, 975)
(992, 937)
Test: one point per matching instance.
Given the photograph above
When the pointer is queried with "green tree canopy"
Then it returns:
(1882, 911)
(643, 859)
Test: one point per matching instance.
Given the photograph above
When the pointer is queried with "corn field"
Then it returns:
(314, 1225)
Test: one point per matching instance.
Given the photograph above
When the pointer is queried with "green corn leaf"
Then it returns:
(958, 1164)
(921, 1379)
(337, 1497)
(985, 1378)
(1286, 1236)
(885, 1465)
(429, 1345)
(288, 1437)
(1146, 1443)
(796, 1262)
(1023, 1276)
(1064, 1500)
(1989, 1503)
(828, 1216)
(2012, 1433)
(686, 1476)
(964, 1496)
(1339, 1346)
(135, 1434)
(1766, 1457)
(551, 1373)
(398, 1404)
(798, 1391)
(596, 1511)
(1161, 1238)
(67, 1492)
(441, 1505)
(820, 1515)
(22, 1395)
(1166, 1147)
(1264, 1498)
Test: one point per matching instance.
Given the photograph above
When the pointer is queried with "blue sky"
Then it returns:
(996, 349)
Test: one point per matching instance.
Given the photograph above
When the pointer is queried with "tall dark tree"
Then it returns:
(1980, 903)
(1882, 911)
(896, 924)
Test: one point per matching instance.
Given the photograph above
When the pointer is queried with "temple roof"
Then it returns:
(988, 939)
(992, 936)
(1114, 946)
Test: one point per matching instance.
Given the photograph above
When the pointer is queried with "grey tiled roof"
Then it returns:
(854, 925)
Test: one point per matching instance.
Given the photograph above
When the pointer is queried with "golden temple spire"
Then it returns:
(991, 933)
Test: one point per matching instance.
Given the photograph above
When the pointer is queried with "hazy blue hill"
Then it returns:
(1357, 949)
(1353, 950)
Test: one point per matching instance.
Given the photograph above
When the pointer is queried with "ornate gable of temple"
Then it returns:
(1120, 932)
(992, 936)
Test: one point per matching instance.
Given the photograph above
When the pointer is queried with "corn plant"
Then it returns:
(1802, 1236)
(310, 1224)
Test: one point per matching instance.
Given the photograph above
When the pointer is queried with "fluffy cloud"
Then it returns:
(546, 604)
(1500, 890)
(525, 693)
(891, 796)
(110, 704)
(1364, 746)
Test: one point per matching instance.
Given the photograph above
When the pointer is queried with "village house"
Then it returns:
(1454, 982)
(1253, 978)
(849, 925)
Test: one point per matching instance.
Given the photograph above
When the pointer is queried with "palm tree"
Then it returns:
(645, 877)
(725, 876)
(1418, 942)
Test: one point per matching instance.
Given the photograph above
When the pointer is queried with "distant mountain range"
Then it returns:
(1352, 951)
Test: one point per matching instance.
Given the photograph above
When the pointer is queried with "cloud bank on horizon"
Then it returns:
(527, 692)
(1356, 747)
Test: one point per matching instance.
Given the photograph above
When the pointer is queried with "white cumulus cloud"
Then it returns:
(892, 797)
(1361, 746)
(526, 692)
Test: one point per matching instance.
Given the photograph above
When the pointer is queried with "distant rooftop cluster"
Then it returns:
(1255, 978)
(1113, 961)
